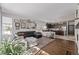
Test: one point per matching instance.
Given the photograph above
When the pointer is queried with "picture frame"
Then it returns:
(17, 25)
(23, 23)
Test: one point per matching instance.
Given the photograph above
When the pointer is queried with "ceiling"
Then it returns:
(47, 12)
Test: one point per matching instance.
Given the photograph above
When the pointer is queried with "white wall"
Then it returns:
(77, 33)
(77, 30)
(40, 25)
(0, 25)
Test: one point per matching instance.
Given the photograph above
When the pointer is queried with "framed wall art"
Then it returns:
(23, 23)
(17, 24)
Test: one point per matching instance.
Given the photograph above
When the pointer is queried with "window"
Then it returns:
(6, 27)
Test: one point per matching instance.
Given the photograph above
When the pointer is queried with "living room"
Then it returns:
(44, 28)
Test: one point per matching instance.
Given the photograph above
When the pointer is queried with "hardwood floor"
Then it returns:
(59, 47)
